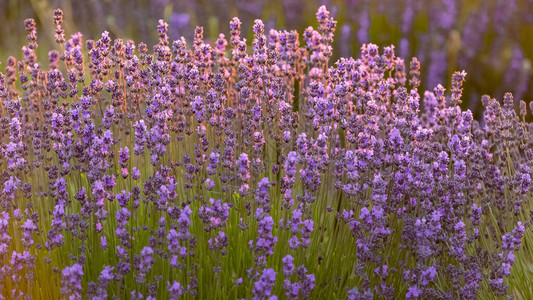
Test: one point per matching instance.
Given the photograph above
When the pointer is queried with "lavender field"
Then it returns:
(301, 158)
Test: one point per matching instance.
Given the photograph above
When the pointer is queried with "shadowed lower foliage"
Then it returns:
(212, 171)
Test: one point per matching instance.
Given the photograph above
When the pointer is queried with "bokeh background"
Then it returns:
(491, 39)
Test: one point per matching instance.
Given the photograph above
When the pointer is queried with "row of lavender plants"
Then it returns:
(488, 38)
(219, 171)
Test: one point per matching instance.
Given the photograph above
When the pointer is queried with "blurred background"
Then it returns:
(491, 39)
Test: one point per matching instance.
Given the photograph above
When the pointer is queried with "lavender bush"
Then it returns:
(200, 170)
(490, 39)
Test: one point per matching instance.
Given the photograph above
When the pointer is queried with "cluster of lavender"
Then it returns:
(443, 34)
(489, 38)
(222, 171)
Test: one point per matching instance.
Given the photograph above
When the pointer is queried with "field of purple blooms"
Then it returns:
(490, 39)
(262, 170)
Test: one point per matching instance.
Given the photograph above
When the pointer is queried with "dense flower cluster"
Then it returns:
(488, 38)
(215, 170)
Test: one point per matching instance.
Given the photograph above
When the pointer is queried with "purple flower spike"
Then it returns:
(175, 289)
(288, 266)
(71, 282)
(263, 287)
